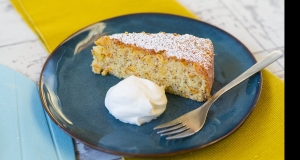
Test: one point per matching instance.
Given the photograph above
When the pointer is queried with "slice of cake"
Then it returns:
(183, 64)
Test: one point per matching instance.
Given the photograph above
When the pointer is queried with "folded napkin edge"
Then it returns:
(25, 15)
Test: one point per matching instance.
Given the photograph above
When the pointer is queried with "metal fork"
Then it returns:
(191, 122)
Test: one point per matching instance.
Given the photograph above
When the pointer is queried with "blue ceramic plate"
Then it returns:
(73, 95)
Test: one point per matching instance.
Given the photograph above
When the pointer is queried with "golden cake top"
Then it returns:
(184, 46)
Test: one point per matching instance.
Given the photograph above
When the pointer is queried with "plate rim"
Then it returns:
(147, 155)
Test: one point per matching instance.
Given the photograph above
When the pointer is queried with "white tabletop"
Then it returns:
(259, 25)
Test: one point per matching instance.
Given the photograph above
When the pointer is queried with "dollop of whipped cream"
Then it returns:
(136, 100)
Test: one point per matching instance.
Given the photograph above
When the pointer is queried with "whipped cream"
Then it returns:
(136, 100)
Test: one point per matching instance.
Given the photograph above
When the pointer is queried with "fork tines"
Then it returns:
(172, 128)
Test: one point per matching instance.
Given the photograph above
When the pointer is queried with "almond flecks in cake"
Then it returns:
(184, 46)
(182, 64)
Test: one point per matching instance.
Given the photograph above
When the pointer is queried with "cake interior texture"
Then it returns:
(182, 64)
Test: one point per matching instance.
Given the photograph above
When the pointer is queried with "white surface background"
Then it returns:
(259, 24)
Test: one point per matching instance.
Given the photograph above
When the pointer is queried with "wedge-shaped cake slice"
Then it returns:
(183, 64)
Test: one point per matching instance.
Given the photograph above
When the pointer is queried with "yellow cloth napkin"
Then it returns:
(262, 134)
(55, 20)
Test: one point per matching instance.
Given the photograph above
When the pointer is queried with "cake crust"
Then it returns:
(183, 64)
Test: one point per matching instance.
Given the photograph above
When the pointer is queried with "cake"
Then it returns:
(182, 64)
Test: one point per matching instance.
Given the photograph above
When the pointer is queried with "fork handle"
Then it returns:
(270, 58)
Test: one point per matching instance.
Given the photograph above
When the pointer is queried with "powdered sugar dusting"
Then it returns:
(185, 46)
